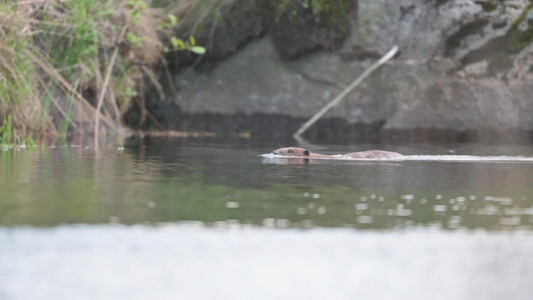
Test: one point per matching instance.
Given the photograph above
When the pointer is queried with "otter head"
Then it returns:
(292, 151)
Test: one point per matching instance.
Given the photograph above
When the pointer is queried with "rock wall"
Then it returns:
(464, 66)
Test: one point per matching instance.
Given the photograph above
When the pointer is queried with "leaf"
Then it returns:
(192, 41)
(131, 36)
(131, 92)
(173, 20)
(177, 43)
(198, 50)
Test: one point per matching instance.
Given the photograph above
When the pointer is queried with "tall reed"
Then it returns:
(65, 64)
(73, 50)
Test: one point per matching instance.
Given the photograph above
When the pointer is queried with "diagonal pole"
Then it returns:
(347, 90)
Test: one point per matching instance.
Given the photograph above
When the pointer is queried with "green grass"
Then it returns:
(61, 61)
(49, 63)
(16, 70)
(9, 137)
(5, 132)
(73, 39)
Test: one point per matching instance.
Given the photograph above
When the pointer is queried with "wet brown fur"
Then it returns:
(301, 152)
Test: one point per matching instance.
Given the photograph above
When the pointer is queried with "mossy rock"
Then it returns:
(298, 27)
(222, 28)
(499, 50)
(303, 26)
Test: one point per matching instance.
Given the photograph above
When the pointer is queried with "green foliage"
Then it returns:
(9, 137)
(131, 92)
(5, 132)
(179, 44)
(198, 50)
(137, 8)
(73, 39)
(64, 48)
(171, 22)
(16, 69)
(135, 41)
(65, 123)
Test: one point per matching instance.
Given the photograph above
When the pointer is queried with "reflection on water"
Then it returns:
(219, 184)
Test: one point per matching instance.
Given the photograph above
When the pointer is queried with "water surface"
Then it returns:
(205, 219)
(176, 181)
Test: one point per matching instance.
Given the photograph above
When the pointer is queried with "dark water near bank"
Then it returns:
(207, 220)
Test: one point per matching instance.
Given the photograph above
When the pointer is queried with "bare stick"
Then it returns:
(104, 88)
(41, 61)
(347, 90)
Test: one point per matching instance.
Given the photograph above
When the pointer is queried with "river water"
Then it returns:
(190, 219)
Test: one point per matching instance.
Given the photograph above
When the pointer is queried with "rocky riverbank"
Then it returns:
(464, 69)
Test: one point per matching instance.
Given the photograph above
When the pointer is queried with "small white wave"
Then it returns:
(449, 158)
(469, 158)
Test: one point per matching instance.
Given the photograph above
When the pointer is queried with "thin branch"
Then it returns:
(104, 88)
(347, 90)
(169, 77)
(58, 107)
(63, 82)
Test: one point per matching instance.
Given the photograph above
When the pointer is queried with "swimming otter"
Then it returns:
(301, 152)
